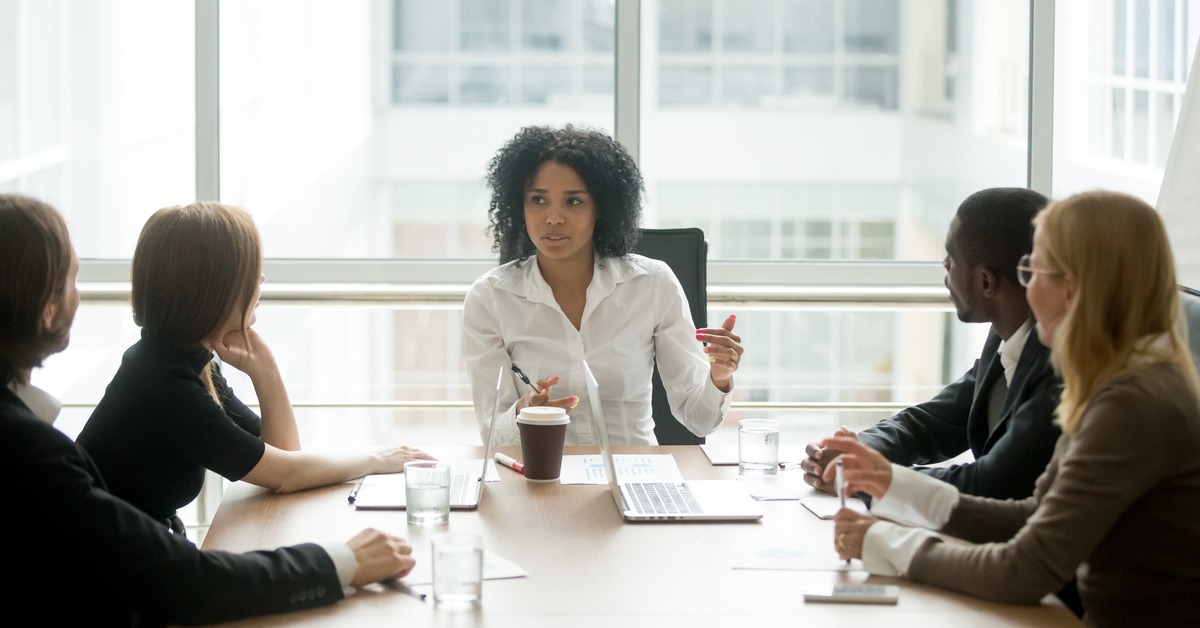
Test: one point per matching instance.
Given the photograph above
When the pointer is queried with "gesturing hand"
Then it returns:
(541, 396)
(724, 352)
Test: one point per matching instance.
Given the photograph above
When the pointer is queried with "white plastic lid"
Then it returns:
(543, 415)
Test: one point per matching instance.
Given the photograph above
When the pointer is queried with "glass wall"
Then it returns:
(1120, 72)
(97, 112)
(793, 132)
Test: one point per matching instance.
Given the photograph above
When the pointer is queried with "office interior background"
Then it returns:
(822, 145)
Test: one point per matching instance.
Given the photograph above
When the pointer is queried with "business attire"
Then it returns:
(157, 429)
(636, 311)
(1010, 451)
(1118, 506)
(110, 563)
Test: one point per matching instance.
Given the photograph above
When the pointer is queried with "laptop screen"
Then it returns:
(491, 435)
(601, 429)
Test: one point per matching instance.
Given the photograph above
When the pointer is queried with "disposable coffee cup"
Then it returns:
(543, 431)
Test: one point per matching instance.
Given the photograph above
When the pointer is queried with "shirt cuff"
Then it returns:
(888, 549)
(916, 498)
(344, 561)
(726, 398)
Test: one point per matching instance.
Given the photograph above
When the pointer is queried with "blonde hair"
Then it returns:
(193, 266)
(1116, 248)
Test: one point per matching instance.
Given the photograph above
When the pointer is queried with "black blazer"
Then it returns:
(1008, 460)
(98, 561)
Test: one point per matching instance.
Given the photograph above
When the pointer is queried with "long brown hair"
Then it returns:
(193, 266)
(1116, 249)
(35, 258)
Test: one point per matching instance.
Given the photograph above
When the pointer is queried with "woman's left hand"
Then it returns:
(849, 530)
(250, 354)
(724, 351)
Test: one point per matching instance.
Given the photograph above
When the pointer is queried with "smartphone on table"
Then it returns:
(853, 593)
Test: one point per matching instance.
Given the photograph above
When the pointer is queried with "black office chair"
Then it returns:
(686, 251)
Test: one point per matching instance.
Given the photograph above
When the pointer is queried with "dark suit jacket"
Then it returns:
(95, 560)
(1008, 460)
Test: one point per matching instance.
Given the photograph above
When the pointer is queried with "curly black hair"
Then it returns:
(611, 176)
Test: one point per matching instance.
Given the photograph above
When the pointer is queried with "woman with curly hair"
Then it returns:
(565, 209)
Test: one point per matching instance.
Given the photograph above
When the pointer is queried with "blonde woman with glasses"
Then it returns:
(1119, 503)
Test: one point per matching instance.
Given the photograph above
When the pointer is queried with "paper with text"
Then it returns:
(589, 468)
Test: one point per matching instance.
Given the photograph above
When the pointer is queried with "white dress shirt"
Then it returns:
(1010, 350)
(913, 498)
(635, 310)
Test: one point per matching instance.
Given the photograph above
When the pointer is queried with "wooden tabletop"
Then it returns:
(588, 568)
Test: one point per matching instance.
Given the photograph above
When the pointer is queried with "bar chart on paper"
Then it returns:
(589, 468)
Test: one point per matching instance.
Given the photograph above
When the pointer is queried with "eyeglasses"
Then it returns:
(1025, 271)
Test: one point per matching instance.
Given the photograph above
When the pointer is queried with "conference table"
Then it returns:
(586, 567)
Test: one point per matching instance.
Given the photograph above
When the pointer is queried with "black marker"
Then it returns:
(525, 378)
(354, 492)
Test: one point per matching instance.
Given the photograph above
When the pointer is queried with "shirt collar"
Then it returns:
(1010, 350)
(43, 405)
(526, 280)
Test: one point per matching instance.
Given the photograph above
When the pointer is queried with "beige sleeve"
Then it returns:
(1095, 476)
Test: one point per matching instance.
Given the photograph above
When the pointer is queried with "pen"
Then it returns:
(400, 586)
(784, 466)
(510, 462)
(525, 378)
(841, 487)
(354, 491)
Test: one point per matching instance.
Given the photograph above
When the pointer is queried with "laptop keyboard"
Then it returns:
(662, 498)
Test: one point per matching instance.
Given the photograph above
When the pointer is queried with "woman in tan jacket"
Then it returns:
(1118, 506)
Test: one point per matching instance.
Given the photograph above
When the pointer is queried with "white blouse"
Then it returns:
(635, 310)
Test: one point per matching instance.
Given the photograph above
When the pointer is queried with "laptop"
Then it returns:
(467, 477)
(689, 500)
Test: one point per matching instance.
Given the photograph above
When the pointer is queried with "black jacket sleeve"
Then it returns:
(122, 566)
(1008, 460)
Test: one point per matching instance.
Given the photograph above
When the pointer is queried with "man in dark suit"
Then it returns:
(1002, 409)
(94, 558)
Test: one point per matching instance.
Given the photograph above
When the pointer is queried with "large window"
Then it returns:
(97, 103)
(832, 135)
(820, 144)
(362, 129)
(1119, 81)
